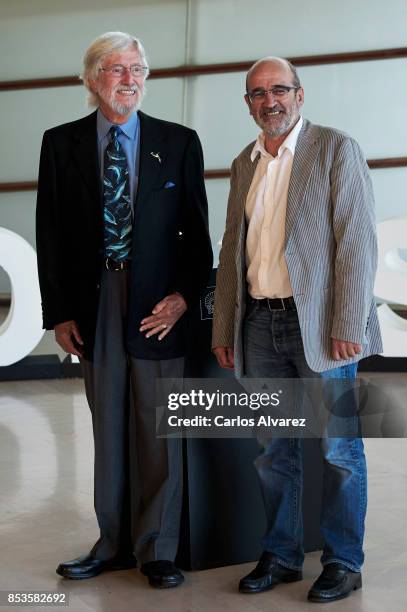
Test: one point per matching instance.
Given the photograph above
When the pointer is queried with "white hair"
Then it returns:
(107, 43)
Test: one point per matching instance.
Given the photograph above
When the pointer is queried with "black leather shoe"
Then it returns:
(267, 574)
(87, 567)
(336, 582)
(162, 574)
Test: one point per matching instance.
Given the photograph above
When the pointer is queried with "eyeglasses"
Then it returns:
(118, 70)
(278, 91)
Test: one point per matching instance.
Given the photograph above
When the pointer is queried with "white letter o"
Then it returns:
(22, 330)
(391, 285)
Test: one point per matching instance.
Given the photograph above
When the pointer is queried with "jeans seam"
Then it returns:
(350, 566)
(295, 496)
(272, 333)
(283, 563)
(356, 454)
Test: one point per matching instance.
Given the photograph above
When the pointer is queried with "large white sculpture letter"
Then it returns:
(391, 285)
(21, 331)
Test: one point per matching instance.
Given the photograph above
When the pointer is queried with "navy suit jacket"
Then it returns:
(171, 246)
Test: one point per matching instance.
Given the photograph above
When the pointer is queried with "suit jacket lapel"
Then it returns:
(153, 153)
(86, 155)
(305, 155)
(245, 177)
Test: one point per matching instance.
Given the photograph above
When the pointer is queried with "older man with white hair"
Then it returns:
(123, 252)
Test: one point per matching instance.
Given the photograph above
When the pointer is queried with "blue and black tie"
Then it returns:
(116, 196)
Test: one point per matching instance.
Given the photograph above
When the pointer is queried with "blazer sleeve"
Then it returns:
(354, 229)
(55, 302)
(195, 254)
(226, 277)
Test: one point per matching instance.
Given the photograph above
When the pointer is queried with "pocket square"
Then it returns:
(168, 185)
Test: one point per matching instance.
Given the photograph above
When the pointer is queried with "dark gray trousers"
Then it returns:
(138, 477)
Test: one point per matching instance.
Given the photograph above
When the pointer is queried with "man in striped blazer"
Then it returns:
(294, 298)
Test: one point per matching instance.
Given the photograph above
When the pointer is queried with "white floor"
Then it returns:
(47, 516)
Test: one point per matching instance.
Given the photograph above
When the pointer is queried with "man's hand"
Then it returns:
(225, 357)
(341, 349)
(165, 314)
(64, 332)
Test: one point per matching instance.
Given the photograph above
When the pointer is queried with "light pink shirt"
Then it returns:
(266, 205)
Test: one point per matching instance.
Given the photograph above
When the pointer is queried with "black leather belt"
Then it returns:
(116, 266)
(275, 303)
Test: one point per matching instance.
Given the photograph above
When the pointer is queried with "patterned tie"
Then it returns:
(116, 196)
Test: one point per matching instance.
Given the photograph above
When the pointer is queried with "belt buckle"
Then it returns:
(282, 304)
(112, 265)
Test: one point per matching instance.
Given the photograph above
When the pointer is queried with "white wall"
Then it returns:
(233, 30)
(367, 99)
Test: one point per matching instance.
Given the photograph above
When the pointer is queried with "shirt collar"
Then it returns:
(129, 128)
(289, 143)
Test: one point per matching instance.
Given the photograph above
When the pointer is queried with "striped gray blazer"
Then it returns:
(330, 249)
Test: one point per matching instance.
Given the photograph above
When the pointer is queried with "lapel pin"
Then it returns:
(157, 155)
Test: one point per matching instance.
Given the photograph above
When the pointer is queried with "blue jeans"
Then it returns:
(273, 348)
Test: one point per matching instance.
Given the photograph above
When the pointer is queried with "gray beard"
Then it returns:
(122, 109)
(281, 129)
(125, 109)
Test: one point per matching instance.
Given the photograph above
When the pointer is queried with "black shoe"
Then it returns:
(336, 582)
(162, 574)
(267, 574)
(87, 567)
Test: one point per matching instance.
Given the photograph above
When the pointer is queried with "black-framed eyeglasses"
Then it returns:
(277, 91)
(118, 70)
